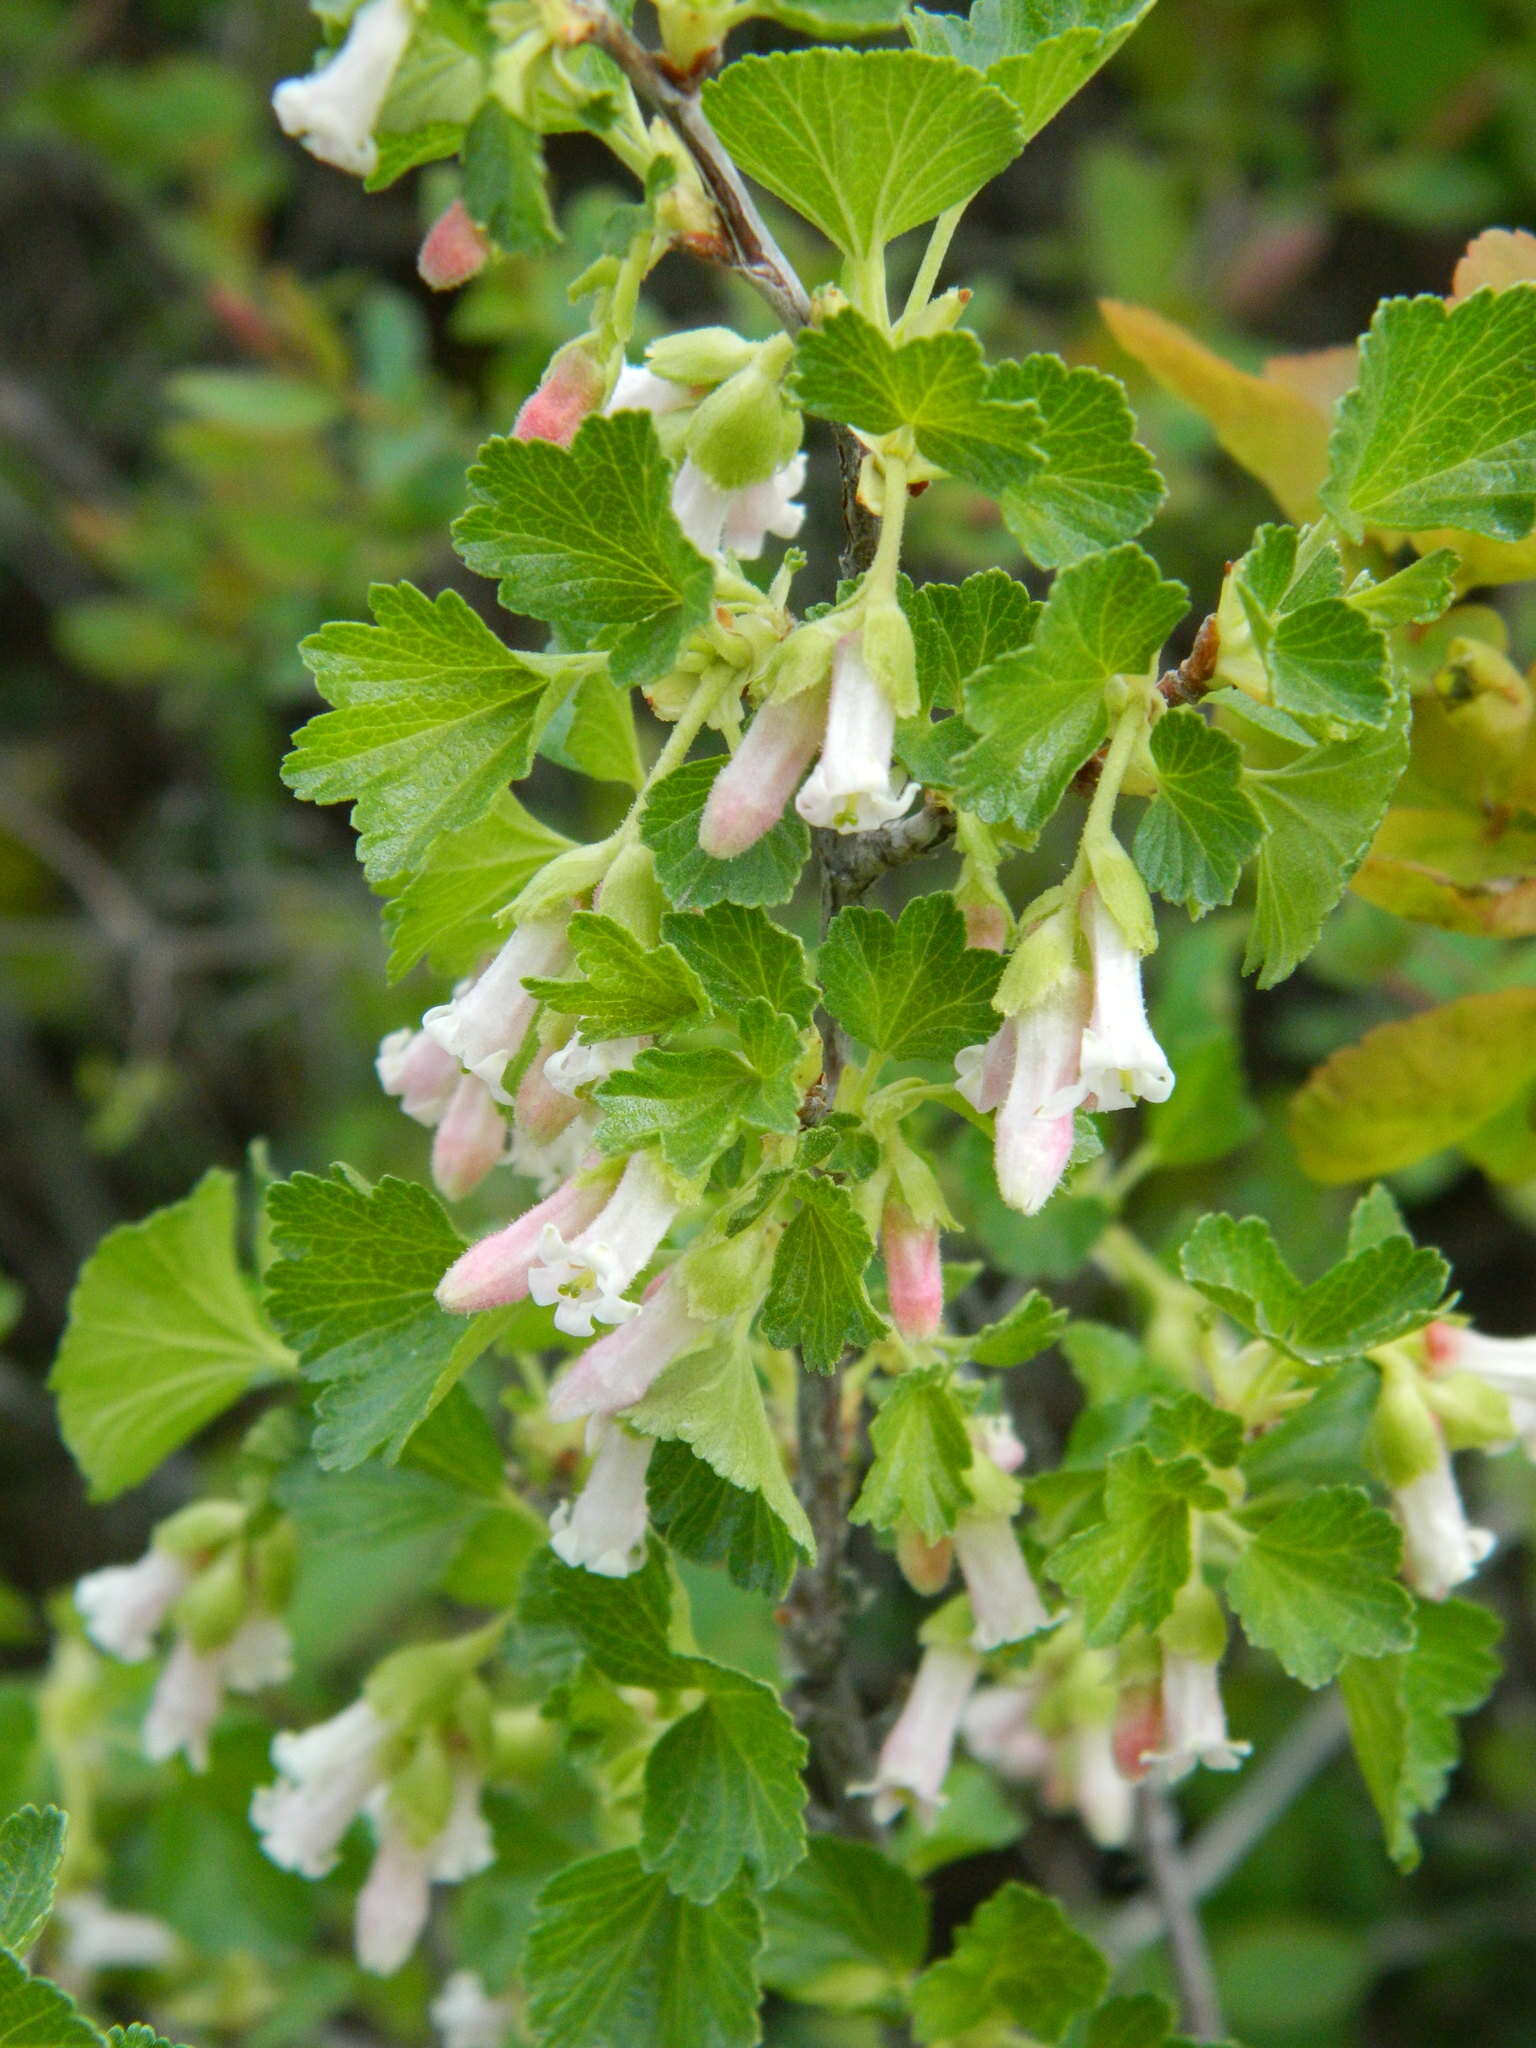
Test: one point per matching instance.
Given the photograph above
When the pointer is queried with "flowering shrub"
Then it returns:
(718, 1330)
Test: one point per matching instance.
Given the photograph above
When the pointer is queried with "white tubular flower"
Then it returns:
(1194, 1721)
(97, 1936)
(1122, 1062)
(1105, 1801)
(485, 1023)
(998, 1726)
(259, 1653)
(853, 786)
(1033, 1133)
(1441, 1548)
(915, 1756)
(740, 520)
(751, 790)
(326, 1774)
(334, 111)
(577, 1065)
(186, 1703)
(124, 1605)
(984, 1071)
(583, 1279)
(393, 1904)
(495, 1272)
(466, 2016)
(603, 1529)
(1004, 1598)
(619, 1369)
(412, 1065)
(471, 1139)
(1507, 1364)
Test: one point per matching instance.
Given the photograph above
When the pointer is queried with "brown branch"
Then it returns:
(1200, 2008)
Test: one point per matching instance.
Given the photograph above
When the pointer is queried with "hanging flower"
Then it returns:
(466, 2016)
(751, 790)
(124, 1606)
(335, 110)
(1034, 1132)
(853, 787)
(1105, 1800)
(1507, 1364)
(99, 1936)
(741, 520)
(551, 1161)
(393, 1905)
(583, 1278)
(638, 389)
(570, 389)
(1000, 1731)
(914, 1276)
(619, 1369)
(326, 1775)
(1122, 1062)
(189, 1694)
(983, 1072)
(1004, 1598)
(422, 1073)
(915, 1756)
(485, 1023)
(471, 1139)
(1441, 1548)
(455, 250)
(578, 1064)
(603, 1529)
(1194, 1720)
(495, 1272)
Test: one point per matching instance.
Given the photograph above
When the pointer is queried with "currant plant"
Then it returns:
(717, 1330)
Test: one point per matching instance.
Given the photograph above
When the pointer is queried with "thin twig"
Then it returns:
(1199, 2005)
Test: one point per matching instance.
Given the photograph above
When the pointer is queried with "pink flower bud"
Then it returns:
(619, 1369)
(572, 387)
(454, 251)
(1138, 1730)
(913, 1276)
(540, 1110)
(470, 1140)
(495, 1271)
(986, 926)
(925, 1566)
(752, 789)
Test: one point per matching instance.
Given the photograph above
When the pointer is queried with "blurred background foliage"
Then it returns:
(226, 405)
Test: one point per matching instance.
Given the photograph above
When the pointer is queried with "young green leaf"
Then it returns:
(832, 17)
(865, 145)
(1441, 429)
(1191, 1423)
(938, 386)
(913, 989)
(921, 1454)
(446, 913)
(1200, 828)
(1239, 1266)
(1323, 657)
(615, 1959)
(816, 1297)
(707, 1519)
(585, 538)
(1127, 1569)
(1402, 1713)
(738, 954)
(694, 1102)
(593, 732)
(1141, 2020)
(1018, 1960)
(433, 718)
(1041, 52)
(1030, 1327)
(37, 2014)
(163, 1335)
(846, 1930)
(626, 989)
(765, 873)
(1415, 596)
(1097, 484)
(31, 1850)
(958, 628)
(505, 190)
(353, 1290)
(723, 1793)
(1319, 1584)
(1041, 711)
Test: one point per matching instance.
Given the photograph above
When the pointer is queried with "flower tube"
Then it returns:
(326, 1775)
(471, 1138)
(603, 1529)
(583, 1278)
(393, 1905)
(1194, 1720)
(914, 1277)
(1033, 1134)
(1441, 1548)
(915, 1756)
(495, 1272)
(619, 1369)
(1122, 1062)
(484, 1024)
(751, 790)
(853, 787)
(335, 110)
(1507, 1364)
(124, 1606)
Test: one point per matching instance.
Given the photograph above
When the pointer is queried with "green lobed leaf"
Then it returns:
(912, 989)
(1239, 1266)
(626, 989)
(1318, 1584)
(1320, 807)
(37, 2014)
(847, 1930)
(1041, 711)
(1200, 828)
(864, 144)
(958, 628)
(1441, 428)
(833, 17)
(1031, 1326)
(446, 912)
(1041, 52)
(585, 539)
(593, 732)
(723, 1793)
(433, 717)
(816, 1296)
(1324, 658)
(1019, 1960)
(1415, 596)
(163, 1335)
(765, 873)
(505, 190)
(693, 1102)
(1128, 1568)
(353, 1290)
(31, 1850)
(922, 1452)
(624, 1626)
(709, 1520)
(1191, 1423)
(615, 1959)
(939, 386)
(1139, 2021)
(1403, 1709)
(739, 954)
(1097, 484)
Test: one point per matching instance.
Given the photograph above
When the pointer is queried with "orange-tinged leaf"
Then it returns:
(1445, 867)
(1497, 257)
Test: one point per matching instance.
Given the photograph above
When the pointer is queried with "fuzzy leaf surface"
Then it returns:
(921, 1455)
(912, 989)
(1019, 1960)
(816, 1297)
(1319, 1584)
(723, 1793)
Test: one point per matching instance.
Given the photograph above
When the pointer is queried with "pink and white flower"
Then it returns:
(456, 249)
(638, 389)
(983, 1072)
(497, 1270)
(603, 1529)
(124, 1606)
(1507, 1364)
(619, 1369)
(1121, 1062)
(914, 1275)
(422, 1073)
(1005, 1600)
(335, 110)
(571, 388)
(1033, 1135)
(583, 1277)
(393, 1905)
(751, 790)
(579, 1064)
(916, 1755)
(326, 1775)
(1105, 1801)
(471, 1139)
(189, 1694)
(1000, 1731)
(1441, 1548)
(1194, 1721)
(854, 786)
(739, 520)
(485, 1023)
